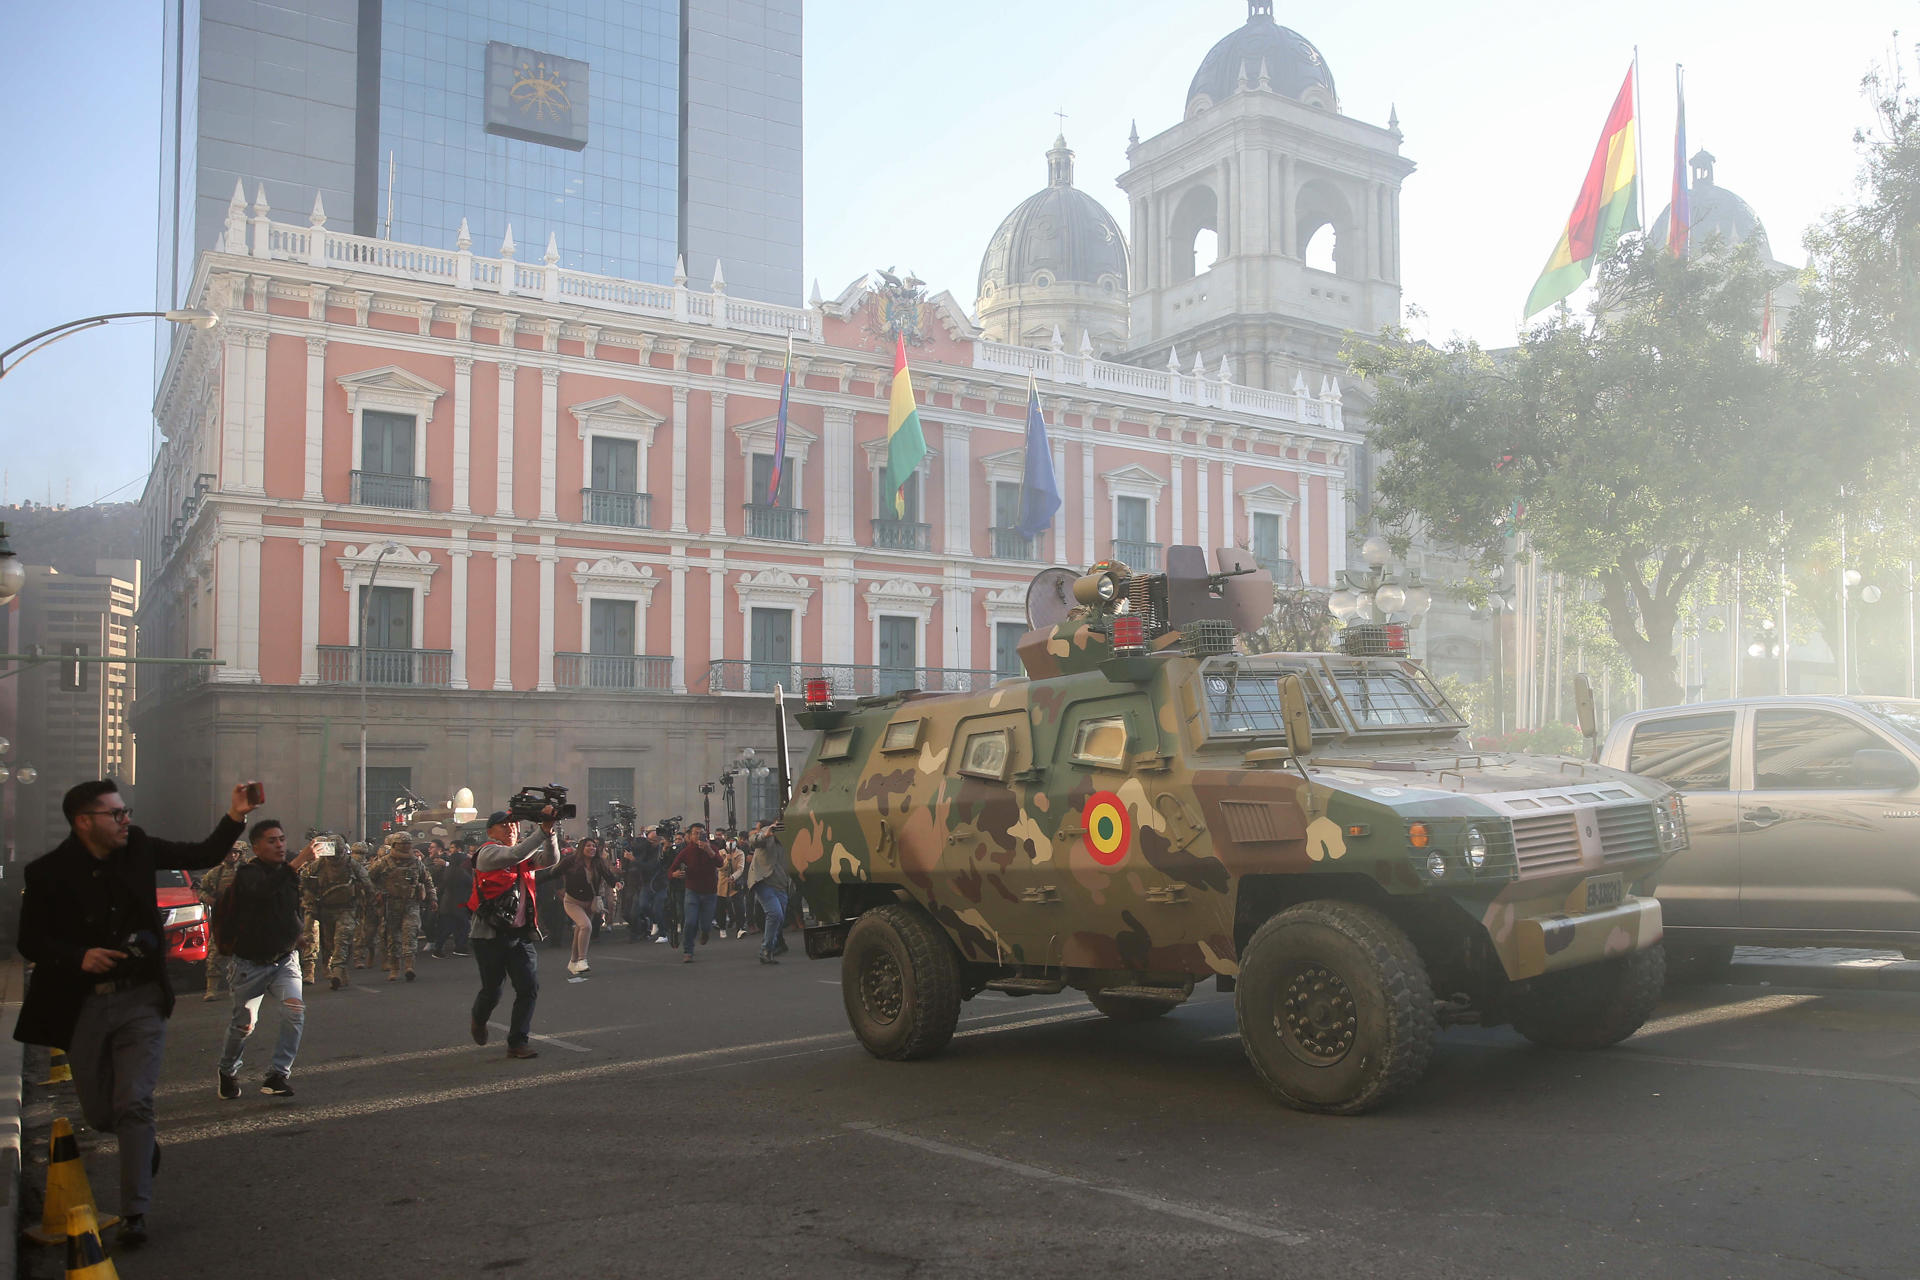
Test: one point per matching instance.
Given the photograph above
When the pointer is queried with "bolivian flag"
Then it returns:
(906, 443)
(1608, 205)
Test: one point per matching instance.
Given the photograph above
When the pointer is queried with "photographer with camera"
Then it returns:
(262, 927)
(504, 922)
(90, 923)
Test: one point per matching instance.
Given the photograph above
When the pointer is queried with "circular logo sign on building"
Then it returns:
(1109, 829)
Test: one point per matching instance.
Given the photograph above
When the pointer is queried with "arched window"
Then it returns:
(1323, 249)
(1324, 222)
(1194, 231)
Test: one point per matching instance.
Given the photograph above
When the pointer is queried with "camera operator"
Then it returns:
(504, 924)
(90, 923)
(645, 891)
(266, 934)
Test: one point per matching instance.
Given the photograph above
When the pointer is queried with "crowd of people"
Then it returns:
(281, 919)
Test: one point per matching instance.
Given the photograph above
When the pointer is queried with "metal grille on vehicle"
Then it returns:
(1628, 831)
(1547, 841)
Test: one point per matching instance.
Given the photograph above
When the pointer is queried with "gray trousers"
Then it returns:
(117, 1044)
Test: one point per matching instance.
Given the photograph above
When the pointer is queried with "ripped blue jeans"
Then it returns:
(253, 983)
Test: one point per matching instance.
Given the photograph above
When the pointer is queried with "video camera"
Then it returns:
(669, 827)
(529, 804)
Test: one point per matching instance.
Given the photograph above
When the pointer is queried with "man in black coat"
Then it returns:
(91, 925)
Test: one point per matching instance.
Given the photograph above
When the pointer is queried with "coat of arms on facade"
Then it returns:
(900, 310)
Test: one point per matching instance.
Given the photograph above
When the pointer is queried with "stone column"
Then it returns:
(462, 435)
(249, 651)
(717, 464)
(549, 447)
(1306, 530)
(311, 543)
(1202, 507)
(677, 620)
(1336, 524)
(1289, 229)
(255, 461)
(503, 466)
(837, 476)
(1229, 510)
(233, 410)
(1177, 478)
(316, 417)
(227, 596)
(503, 619)
(457, 640)
(1088, 498)
(837, 620)
(679, 461)
(958, 476)
(716, 605)
(548, 559)
(956, 611)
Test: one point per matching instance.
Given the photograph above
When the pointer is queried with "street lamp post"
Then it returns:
(198, 317)
(366, 607)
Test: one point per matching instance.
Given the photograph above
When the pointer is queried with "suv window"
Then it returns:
(1688, 753)
(167, 878)
(1808, 750)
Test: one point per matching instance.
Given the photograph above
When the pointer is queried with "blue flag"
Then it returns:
(1039, 491)
(780, 431)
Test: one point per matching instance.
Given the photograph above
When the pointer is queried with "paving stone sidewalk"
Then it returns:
(1825, 967)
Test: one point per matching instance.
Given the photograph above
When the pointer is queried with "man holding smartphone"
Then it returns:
(266, 928)
(90, 923)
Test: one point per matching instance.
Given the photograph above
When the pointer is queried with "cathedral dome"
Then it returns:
(1058, 235)
(1288, 60)
(1714, 212)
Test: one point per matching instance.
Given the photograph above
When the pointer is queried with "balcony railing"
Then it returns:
(1279, 566)
(379, 489)
(417, 668)
(902, 535)
(1141, 557)
(615, 507)
(738, 675)
(782, 524)
(1011, 544)
(641, 673)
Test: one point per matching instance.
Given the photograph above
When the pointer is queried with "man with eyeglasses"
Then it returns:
(91, 925)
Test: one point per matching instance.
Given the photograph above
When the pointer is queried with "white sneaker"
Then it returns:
(661, 938)
(573, 966)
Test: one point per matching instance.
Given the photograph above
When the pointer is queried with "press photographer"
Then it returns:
(502, 903)
(90, 924)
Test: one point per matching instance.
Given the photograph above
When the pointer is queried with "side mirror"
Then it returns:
(1583, 712)
(1294, 714)
(1877, 768)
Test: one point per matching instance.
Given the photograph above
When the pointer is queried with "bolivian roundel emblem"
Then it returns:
(1109, 829)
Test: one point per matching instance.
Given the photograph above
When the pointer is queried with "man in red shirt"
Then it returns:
(700, 866)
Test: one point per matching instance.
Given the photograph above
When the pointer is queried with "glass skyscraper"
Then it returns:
(631, 131)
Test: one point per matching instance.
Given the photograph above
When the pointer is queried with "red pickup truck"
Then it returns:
(182, 916)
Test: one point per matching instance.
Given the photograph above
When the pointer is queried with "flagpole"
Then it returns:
(1639, 153)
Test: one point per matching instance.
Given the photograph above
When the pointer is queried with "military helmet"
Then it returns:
(399, 840)
(360, 847)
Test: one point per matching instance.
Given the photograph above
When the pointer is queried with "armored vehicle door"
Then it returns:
(992, 840)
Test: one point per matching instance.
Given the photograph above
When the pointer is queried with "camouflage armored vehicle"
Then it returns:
(1150, 808)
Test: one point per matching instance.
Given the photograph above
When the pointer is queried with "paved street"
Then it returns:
(719, 1119)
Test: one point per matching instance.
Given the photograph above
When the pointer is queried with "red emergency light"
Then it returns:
(1129, 633)
(819, 692)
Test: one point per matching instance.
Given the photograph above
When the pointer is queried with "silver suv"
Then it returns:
(1803, 815)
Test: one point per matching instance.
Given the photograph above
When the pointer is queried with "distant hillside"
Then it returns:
(72, 538)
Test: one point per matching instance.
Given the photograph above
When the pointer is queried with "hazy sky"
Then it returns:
(926, 124)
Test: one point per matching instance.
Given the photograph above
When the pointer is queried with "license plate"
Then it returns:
(1605, 892)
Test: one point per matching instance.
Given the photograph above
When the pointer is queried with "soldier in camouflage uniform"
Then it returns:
(332, 890)
(209, 890)
(404, 884)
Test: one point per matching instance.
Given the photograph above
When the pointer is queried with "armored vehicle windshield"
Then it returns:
(1344, 696)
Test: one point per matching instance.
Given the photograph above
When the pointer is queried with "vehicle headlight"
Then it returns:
(185, 915)
(1475, 849)
(1436, 864)
(1670, 818)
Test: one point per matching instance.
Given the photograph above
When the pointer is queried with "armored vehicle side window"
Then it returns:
(1808, 750)
(1248, 702)
(1101, 741)
(836, 744)
(986, 754)
(1380, 697)
(901, 735)
(1688, 753)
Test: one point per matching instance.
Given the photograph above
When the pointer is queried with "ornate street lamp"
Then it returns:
(13, 574)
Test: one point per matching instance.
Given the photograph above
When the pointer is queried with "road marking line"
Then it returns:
(540, 1078)
(1158, 1204)
(1819, 1073)
(501, 1027)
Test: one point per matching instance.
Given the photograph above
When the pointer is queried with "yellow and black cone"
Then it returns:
(58, 1072)
(86, 1257)
(67, 1189)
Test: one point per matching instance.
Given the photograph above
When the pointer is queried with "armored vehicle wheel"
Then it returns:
(1593, 1006)
(1130, 1008)
(900, 980)
(1335, 1008)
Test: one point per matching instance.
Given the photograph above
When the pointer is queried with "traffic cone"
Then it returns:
(86, 1258)
(67, 1189)
(58, 1072)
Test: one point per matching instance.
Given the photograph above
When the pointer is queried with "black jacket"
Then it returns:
(61, 917)
(266, 911)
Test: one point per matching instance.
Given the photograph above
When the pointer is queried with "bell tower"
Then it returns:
(1265, 224)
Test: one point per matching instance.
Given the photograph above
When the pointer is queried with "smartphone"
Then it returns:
(325, 848)
(256, 793)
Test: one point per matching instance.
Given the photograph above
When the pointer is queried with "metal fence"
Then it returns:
(1011, 544)
(902, 535)
(421, 668)
(737, 675)
(379, 489)
(782, 524)
(641, 673)
(1141, 557)
(615, 507)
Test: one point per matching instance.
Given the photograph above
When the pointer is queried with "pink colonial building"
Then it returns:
(563, 482)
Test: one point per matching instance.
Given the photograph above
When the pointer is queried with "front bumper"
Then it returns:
(1533, 945)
